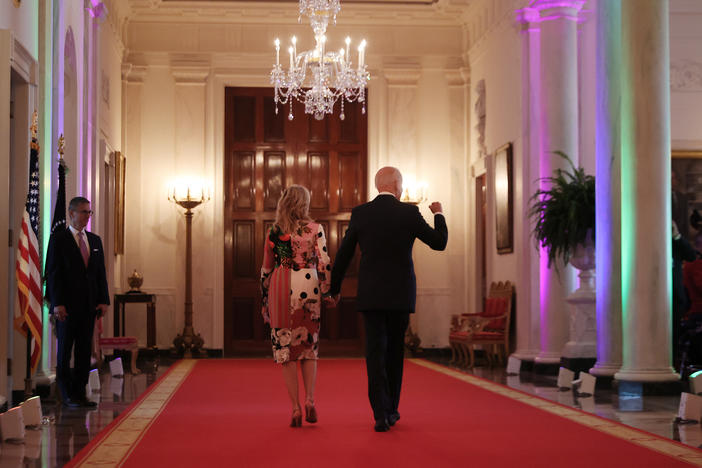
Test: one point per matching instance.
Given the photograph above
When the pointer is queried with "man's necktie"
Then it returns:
(83, 248)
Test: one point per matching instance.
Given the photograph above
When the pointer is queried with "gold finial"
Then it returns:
(62, 142)
(35, 124)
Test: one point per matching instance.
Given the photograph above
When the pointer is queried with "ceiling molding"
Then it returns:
(360, 12)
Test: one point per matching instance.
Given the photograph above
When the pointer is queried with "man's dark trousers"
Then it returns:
(385, 346)
(74, 332)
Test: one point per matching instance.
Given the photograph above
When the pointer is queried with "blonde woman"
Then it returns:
(294, 275)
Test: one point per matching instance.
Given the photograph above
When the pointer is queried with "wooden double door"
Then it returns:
(264, 153)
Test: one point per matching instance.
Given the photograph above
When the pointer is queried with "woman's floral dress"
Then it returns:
(294, 275)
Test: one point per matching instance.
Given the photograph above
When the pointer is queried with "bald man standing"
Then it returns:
(385, 230)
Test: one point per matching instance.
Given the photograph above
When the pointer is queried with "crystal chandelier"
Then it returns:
(332, 75)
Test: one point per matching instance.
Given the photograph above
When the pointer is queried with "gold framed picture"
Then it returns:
(120, 173)
(686, 188)
(504, 228)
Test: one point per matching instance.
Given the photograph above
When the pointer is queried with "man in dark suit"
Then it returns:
(385, 230)
(77, 288)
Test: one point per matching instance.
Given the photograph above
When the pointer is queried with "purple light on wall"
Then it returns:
(540, 5)
(97, 10)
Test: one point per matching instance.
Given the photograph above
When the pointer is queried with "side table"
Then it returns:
(144, 298)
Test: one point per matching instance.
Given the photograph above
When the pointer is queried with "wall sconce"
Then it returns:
(188, 195)
(414, 192)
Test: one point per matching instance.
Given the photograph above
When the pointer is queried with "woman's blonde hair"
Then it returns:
(293, 208)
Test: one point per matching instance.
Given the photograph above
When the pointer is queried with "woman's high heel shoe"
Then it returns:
(310, 413)
(296, 420)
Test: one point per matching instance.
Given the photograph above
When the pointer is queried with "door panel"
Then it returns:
(266, 152)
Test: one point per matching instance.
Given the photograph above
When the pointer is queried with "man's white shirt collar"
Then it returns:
(74, 231)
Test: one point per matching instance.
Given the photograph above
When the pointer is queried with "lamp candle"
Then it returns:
(294, 41)
(348, 43)
(290, 49)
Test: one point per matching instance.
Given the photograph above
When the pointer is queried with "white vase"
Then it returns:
(582, 306)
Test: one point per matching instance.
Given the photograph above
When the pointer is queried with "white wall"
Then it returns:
(497, 60)
(23, 22)
(416, 121)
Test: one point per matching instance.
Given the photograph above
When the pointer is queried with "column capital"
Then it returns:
(402, 76)
(527, 16)
(456, 77)
(96, 9)
(546, 10)
(190, 70)
(133, 73)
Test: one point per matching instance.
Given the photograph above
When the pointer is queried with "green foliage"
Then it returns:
(565, 212)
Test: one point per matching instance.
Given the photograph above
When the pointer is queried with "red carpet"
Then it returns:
(236, 413)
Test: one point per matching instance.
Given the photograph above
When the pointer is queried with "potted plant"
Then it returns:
(565, 216)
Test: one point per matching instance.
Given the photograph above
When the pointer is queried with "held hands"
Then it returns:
(101, 310)
(332, 301)
(60, 312)
(435, 207)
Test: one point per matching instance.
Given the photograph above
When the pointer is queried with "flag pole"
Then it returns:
(28, 383)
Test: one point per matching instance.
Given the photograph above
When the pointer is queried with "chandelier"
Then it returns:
(318, 77)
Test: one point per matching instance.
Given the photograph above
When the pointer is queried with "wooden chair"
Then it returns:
(100, 345)
(489, 328)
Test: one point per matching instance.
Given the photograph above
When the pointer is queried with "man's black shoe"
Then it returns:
(71, 403)
(393, 418)
(85, 403)
(382, 425)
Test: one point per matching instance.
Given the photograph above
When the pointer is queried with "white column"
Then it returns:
(132, 97)
(528, 319)
(607, 188)
(559, 100)
(402, 120)
(190, 161)
(645, 192)
(46, 374)
(459, 198)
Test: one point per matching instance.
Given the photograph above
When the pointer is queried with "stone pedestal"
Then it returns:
(583, 329)
(579, 353)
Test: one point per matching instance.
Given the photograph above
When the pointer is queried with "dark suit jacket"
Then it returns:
(682, 251)
(69, 282)
(385, 230)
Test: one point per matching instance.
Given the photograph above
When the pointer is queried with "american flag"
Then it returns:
(59, 221)
(28, 269)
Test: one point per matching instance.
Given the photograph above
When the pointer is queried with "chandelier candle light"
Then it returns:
(332, 74)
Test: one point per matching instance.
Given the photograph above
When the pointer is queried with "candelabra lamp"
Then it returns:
(189, 197)
(415, 192)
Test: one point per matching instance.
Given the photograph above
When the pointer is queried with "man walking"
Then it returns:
(385, 230)
(77, 288)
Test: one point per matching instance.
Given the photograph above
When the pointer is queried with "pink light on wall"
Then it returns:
(97, 9)
(564, 9)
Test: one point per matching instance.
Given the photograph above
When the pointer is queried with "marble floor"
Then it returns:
(66, 431)
(654, 414)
